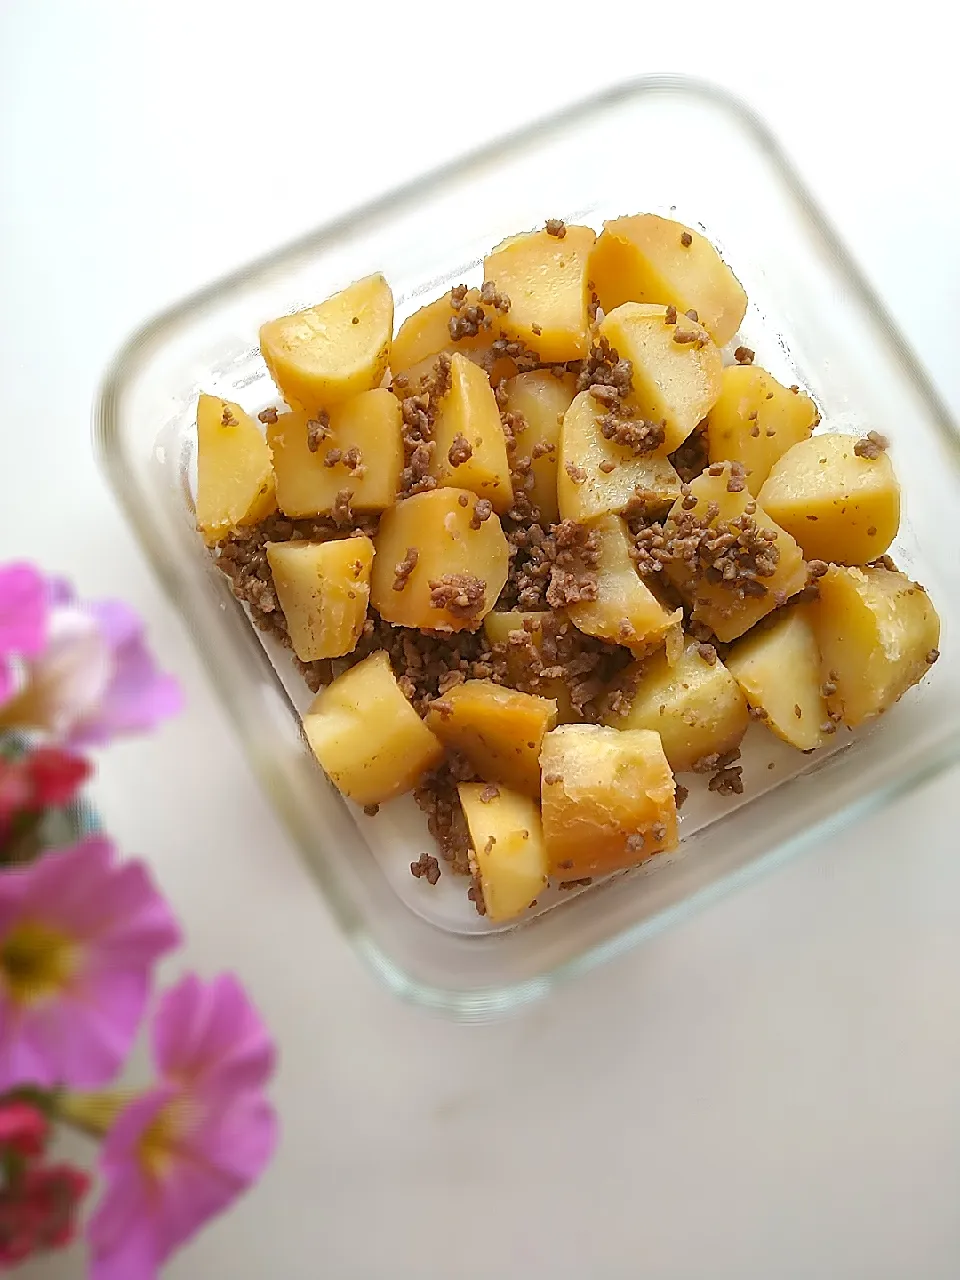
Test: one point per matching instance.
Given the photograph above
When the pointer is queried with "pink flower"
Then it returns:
(38, 1211)
(23, 612)
(185, 1150)
(80, 933)
(23, 1129)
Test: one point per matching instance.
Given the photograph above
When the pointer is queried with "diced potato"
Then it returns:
(731, 608)
(306, 486)
(596, 476)
(878, 635)
(547, 282)
(323, 589)
(542, 400)
(625, 611)
(521, 670)
(509, 858)
(756, 420)
(778, 669)
(608, 799)
(674, 383)
(646, 258)
(437, 526)
(499, 730)
(426, 333)
(837, 506)
(366, 735)
(326, 354)
(235, 483)
(695, 706)
(469, 417)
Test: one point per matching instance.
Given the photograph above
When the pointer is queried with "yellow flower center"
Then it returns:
(159, 1143)
(35, 962)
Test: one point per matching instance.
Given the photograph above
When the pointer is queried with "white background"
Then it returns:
(770, 1090)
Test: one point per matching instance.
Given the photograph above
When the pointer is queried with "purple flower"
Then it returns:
(80, 933)
(186, 1149)
(23, 615)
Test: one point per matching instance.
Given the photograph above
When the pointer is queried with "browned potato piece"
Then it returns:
(695, 705)
(837, 505)
(542, 400)
(458, 571)
(596, 476)
(730, 608)
(471, 448)
(546, 280)
(646, 258)
(676, 367)
(323, 589)
(778, 669)
(625, 610)
(499, 730)
(509, 859)
(369, 424)
(525, 656)
(326, 354)
(756, 420)
(369, 740)
(427, 332)
(235, 483)
(608, 799)
(878, 635)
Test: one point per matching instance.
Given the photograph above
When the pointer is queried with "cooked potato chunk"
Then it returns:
(363, 435)
(596, 475)
(471, 448)
(676, 367)
(509, 859)
(528, 644)
(646, 258)
(235, 484)
(756, 420)
(695, 705)
(427, 332)
(546, 280)
(500, 731)
(608, 799)
(764, 564)
(837, 505)
(323, 355)
(625, 609)
(778, 669)
(878, 635)
(323, 589)
(367, 737)
(541, 399)
(457, 571)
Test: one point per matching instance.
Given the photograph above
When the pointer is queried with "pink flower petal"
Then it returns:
(23, 610)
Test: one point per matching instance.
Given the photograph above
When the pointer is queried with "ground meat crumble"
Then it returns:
(426, 867)
(871, 446)
(461, 594)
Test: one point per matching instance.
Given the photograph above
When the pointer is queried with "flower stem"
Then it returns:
(92, 1114)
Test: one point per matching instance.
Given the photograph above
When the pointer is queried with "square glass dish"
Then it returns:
(661, 145)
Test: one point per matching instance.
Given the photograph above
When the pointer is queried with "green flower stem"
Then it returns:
(91, 1114)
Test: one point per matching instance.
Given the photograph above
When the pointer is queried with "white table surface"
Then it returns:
(771, 1089)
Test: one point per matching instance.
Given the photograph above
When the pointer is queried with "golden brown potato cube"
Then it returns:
(434, 570)
(541, 400)
(546, 280)
(363, 443)
(235, 484)
(326, 354)
(646, 258)
(625, 610)
(763, 564)
(778, 669)
(367, 737)
(509, 859)
(499, 730)
(837, 504)
(471, 448)
(878, 635)
(695, 705)
(608, 799)
(756, 420)
(323, 589)
(676, 367)
(596, 475)
(523, 636)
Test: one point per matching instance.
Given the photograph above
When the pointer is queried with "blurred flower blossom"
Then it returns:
(38, 1211)
(44, 778)
(23, 611)
(23, 1128)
